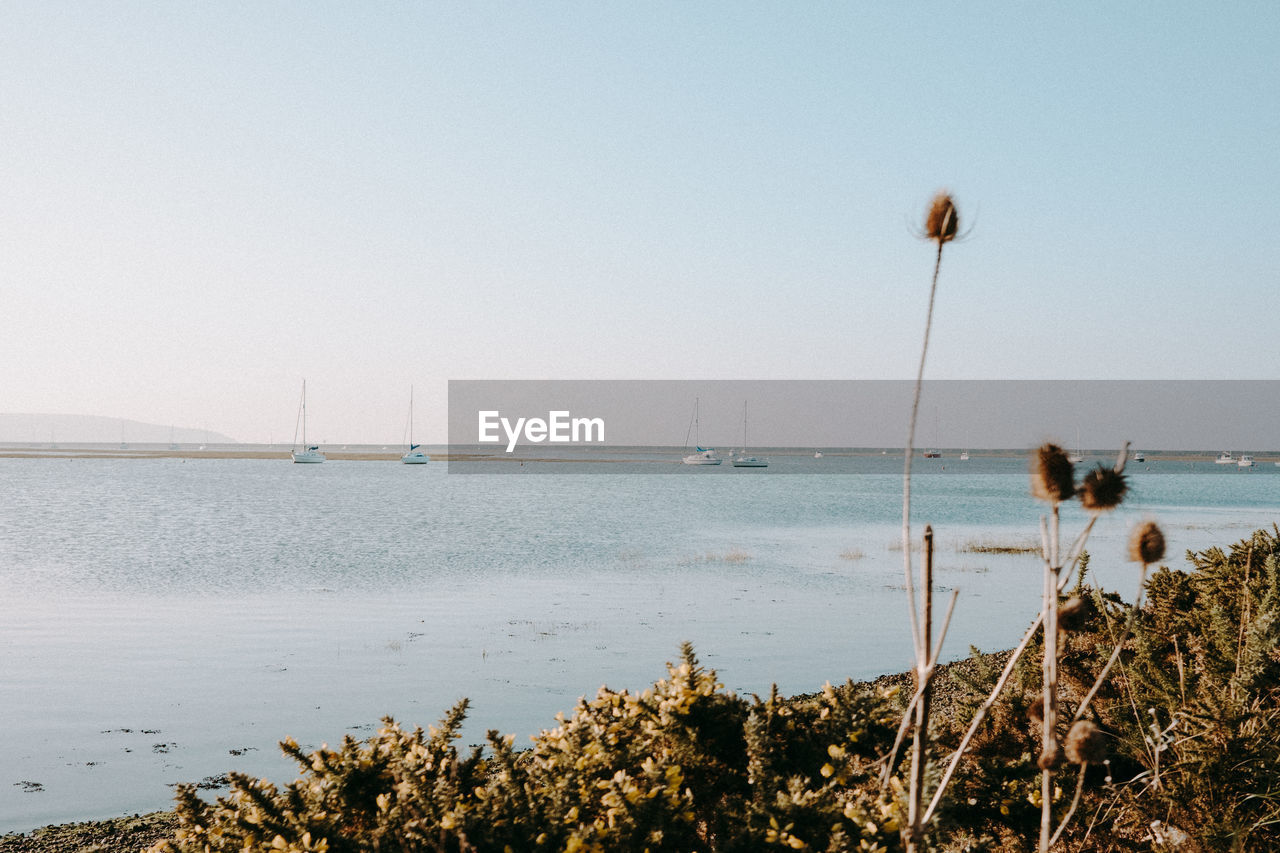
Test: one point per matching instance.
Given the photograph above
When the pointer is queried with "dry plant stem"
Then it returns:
(1074, 552)
(921, 649)
(920, 741)
(1049, 670)
(1244, 599)
(1075, 801)
(911, 706)
(1115, 653)
(979, 717)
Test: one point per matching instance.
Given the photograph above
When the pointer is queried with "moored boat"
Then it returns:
(414, 456)
(308, 453)
(705, 455)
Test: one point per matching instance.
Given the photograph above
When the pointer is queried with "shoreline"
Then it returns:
(133, 833)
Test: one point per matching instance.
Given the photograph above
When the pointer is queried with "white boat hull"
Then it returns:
(750, 462)
(309, 456)
(707, 457)
(416, 457)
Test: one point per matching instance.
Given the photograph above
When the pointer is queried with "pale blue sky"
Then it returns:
(204, 203)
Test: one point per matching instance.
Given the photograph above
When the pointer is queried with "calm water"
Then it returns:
(168, 620)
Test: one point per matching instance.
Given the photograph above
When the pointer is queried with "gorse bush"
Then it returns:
(1195, 711)
(1189, 717)
(681, 766)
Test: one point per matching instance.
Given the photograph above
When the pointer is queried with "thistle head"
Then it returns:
(1146, 543)
(1051, 757)
(1086, 744)
(1052, 477)
(1102, 489)
(942, 220)
(1074, 613)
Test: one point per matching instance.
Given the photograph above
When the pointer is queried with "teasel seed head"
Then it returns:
(1052, 476)
(1146, 543)
(1051, 757)
(1102, 489)
(1086, 743)
(1074, 613)
(942, 221)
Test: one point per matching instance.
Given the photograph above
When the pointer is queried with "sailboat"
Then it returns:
(705, 455)
(1078, 456)
(305, 452)
(934, 454)
(742, 460)
(414, 456)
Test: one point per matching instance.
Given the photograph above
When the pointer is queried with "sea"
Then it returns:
(167, 620)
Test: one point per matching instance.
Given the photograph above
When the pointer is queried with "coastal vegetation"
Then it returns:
(1182, 752)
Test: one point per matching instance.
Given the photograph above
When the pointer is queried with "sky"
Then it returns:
(203, 204)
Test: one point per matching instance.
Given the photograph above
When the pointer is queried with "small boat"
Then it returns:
(1077, 457)
(306, 452)
(1224, 458)
(1245, 461)
(742, 460)
(1139, 456)
(817, 454)
(964, 456)
(932, 454)
(705, 455)
(414, 456)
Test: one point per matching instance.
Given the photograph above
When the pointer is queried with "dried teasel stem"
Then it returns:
(1049, 671)
(920, 744)
(908, 713)
(1075, 802)
(1129, 622)
(940, 226)
(979, 716)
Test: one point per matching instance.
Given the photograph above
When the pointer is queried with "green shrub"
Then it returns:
(681, 766)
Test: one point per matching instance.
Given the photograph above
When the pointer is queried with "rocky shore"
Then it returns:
(118, 835)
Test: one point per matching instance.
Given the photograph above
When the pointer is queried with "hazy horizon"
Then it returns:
(961, 414)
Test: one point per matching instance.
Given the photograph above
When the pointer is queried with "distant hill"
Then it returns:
(94, 429)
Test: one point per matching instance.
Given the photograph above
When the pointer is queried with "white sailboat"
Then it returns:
(742, 460)
(414, 456)
(304, 452)
(1078, 456)
(705, 455)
